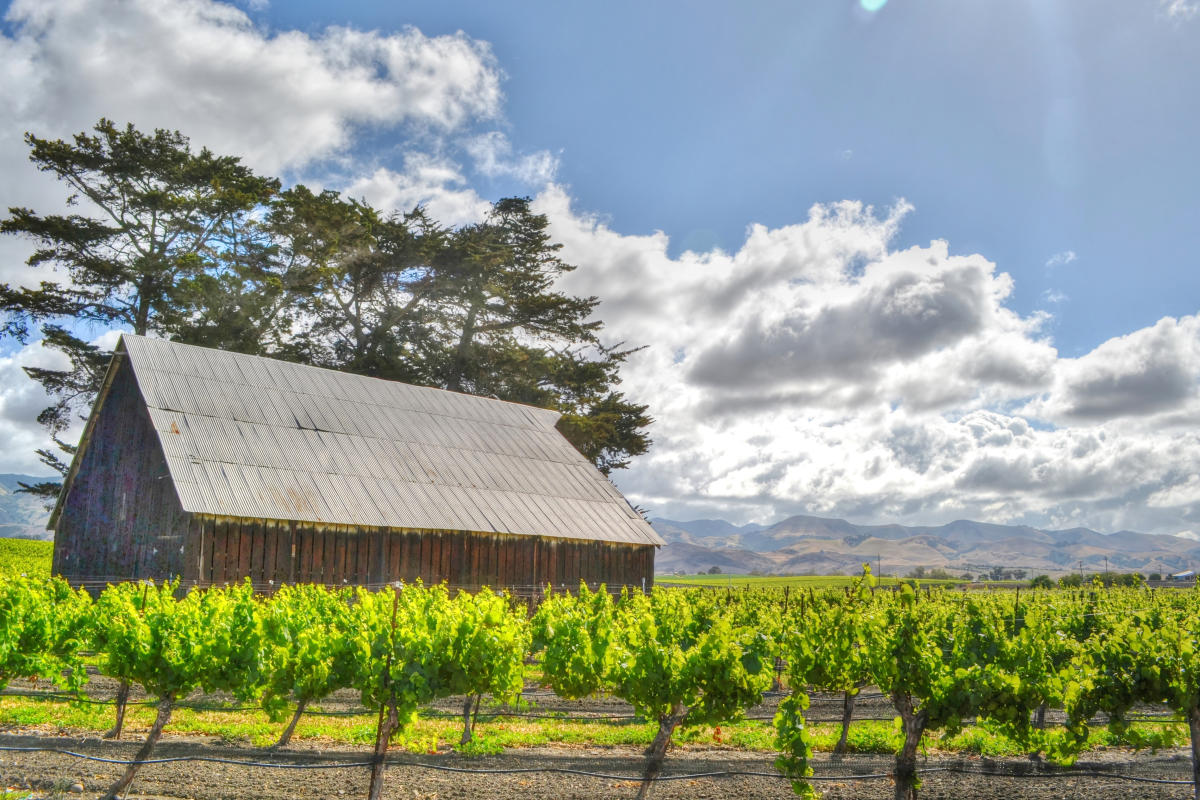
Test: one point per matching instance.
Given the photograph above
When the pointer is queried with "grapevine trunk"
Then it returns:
(847, 715)
(286, 736)
(658, 748)
(122, 702)
(467, 733)
(387, 726)
(913, 722)
(165, 706)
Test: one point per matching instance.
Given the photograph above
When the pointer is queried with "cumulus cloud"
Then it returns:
(280, 100)
(816, 368)
(819, 370)
(285, 102)
(1143, 373)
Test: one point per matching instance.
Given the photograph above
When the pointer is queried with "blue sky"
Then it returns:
(931, 261)
(1018, 130)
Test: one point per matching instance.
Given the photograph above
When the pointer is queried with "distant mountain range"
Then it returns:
(819, 546)
(22, 516)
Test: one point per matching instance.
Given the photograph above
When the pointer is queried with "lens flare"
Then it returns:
(872, 5)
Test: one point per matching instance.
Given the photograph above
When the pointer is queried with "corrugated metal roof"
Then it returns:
(254, 437)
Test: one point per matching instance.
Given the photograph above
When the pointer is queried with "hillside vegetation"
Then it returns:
(25, 557)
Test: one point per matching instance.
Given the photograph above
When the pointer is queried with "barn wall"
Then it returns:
(226, 550)
(121, 519)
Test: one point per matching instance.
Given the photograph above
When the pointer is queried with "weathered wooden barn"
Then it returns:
(214, 466)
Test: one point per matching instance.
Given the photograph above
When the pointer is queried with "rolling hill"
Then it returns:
(22, 516)
(805, 544)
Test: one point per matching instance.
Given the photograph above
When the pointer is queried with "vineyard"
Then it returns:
(1044, 671)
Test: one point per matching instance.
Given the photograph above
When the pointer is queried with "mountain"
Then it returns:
(22, 516)
(806, 544)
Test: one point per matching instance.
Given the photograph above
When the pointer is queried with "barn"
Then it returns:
(211, 467)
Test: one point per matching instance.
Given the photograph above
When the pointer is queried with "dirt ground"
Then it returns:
(548, 773)
(556, 772)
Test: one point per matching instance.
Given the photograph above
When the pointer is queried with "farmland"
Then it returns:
(730, 581)
(410, 668)
(25, 557)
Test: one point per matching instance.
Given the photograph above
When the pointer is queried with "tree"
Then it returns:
(197, 248)
(307, 649)
(501, 329)
(157, 216)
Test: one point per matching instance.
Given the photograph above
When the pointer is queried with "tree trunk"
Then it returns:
(286, 736)
(658, 748)
(906, 760)
(387, 726)
(847, 714)
(122, 702)
(465, 340)
(1194, 728)
(1039, 719)
(165, 706)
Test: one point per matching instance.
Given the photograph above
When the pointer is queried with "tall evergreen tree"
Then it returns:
(154, 217)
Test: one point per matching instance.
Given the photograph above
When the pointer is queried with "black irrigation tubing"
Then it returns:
(587, 773)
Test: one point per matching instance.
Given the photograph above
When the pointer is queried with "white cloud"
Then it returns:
(493, 155)
(436, 184)
(1179, 10)
(281, 100)
(21, 400)
(1054, 296)
(1061, 259)
(1146, 372)
(816, 370)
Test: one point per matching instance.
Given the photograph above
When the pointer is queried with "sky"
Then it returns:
(892, 261)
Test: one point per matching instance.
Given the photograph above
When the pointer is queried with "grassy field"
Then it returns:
(25, 556)
(774, 581)
(497, 731)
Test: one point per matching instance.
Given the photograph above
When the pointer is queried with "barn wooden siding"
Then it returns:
(121, 518)
(272, 553)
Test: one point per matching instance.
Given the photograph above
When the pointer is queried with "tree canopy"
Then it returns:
(195, 247)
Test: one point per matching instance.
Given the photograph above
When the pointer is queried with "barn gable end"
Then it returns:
(119, 517)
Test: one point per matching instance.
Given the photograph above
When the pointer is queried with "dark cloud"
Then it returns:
(903, 317)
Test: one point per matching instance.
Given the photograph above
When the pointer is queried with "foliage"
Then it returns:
(25, 557)
(308, 651)
(43, 627)
(574, 635)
